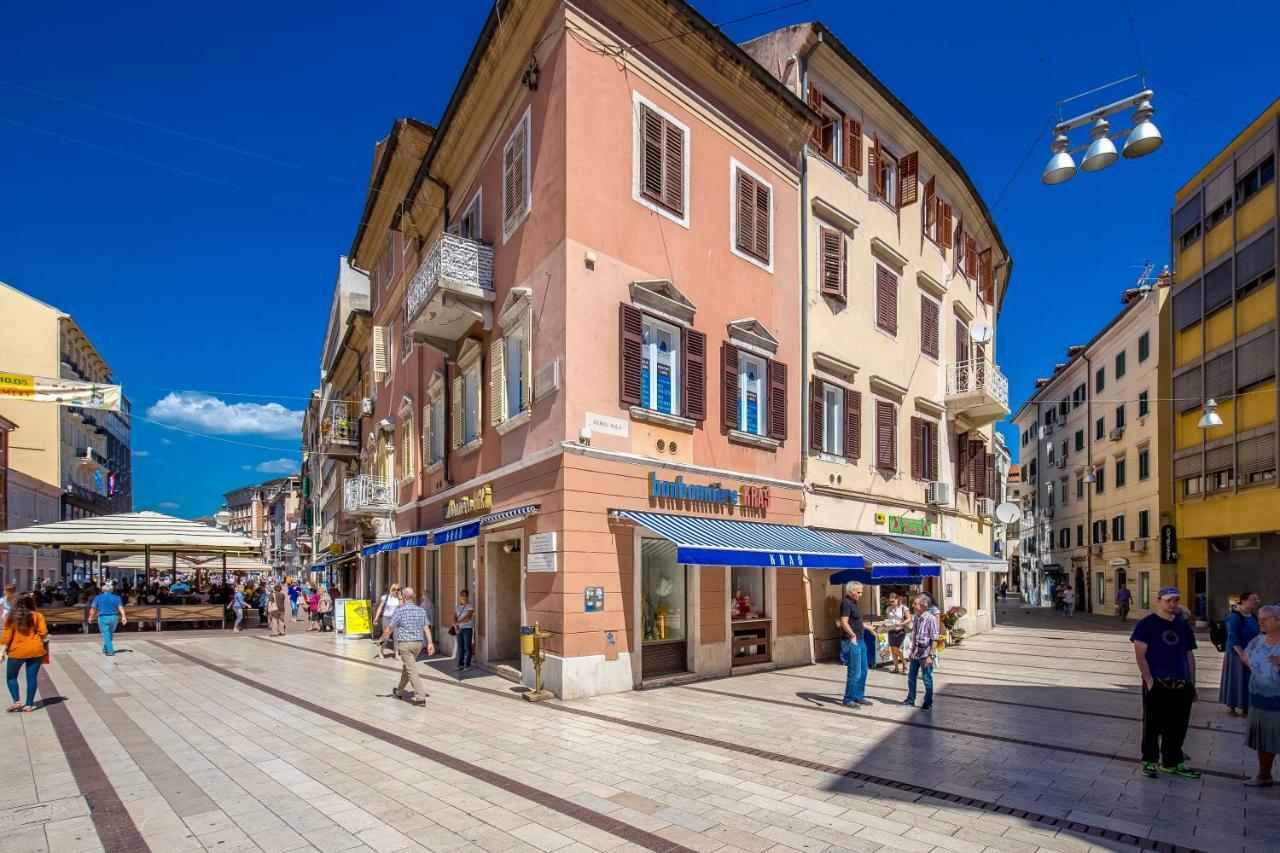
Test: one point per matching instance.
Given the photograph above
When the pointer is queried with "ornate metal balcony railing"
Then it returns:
(456, 263)
(368, 494)
(977, 376)
(338, 425)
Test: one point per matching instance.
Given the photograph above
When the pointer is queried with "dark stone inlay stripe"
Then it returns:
(111, 820)
(880, 781)
(613, 826)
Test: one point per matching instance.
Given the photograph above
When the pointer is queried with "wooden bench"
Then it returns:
(156, 614)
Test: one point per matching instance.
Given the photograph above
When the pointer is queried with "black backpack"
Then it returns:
(1218, 635)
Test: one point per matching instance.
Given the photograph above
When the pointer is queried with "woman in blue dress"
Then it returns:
(1242, 627)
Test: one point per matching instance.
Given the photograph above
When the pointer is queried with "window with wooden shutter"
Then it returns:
(931, 448)
(497, 380)
(752, 212)
(886, 300)
(631, 355)
(962, 465)
(978, 468)
(930, 342)
(817, 423)
(456, 415)
(873, 167)
(986, 277)
(970, 256)
(886, 436)
(917, 449)
(515, 176)
(831, 245)
(729, 390)
(989, 463)
(662, 147)
(944, 224)
(930, 210)
(815, 104)
(695, 375)
(852, 424)
(777, 400)
(962, 343)
(381, 357)
(852, 145)
(908, 180)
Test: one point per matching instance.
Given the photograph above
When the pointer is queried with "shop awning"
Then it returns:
(955, 557)
(471, 529)
(885, 559)
(721, 542)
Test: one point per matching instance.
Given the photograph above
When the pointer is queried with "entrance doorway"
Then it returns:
(1081, 590)
(825, 601)
(503, 629)
(664, 604)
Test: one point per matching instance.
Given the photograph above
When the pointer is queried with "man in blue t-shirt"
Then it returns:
(108, 610)
(294, 592)
(1164, 646)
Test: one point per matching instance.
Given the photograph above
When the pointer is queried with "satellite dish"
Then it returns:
(1008, 512)
(980, 333)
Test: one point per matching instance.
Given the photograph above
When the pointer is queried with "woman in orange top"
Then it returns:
(23, 641)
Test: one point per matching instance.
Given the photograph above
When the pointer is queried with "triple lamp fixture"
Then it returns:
(1101, 152)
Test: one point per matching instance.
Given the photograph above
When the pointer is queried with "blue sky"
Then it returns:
(199, 268)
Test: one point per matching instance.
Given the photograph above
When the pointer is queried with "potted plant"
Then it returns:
(949, 621)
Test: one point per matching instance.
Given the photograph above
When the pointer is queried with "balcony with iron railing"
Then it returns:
(451, 291)
(367, 495)
(977, 393)
(339, 431)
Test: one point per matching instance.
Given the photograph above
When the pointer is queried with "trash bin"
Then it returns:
(526, 640)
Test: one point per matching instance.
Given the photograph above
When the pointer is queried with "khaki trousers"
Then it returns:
(277, 623)
(409, 669)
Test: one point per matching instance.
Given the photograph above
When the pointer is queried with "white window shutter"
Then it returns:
(458, 403)
(526, 363)
(426, 436)
(497, 379)
(380, 360)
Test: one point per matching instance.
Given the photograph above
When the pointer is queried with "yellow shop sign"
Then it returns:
(480, 499)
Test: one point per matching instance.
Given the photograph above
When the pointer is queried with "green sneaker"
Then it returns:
(1181, 770)
(1149, 769)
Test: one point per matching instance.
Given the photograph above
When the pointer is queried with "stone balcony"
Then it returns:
(366, 496)
(450, 292)
(977, 394)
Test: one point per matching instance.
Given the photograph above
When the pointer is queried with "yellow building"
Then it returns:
(1221, 325)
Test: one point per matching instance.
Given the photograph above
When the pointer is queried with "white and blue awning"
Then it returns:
(885, 559)
(722, 542)
(955, 557)
(471, 529)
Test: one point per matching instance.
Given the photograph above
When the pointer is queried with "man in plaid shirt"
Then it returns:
(411, 626)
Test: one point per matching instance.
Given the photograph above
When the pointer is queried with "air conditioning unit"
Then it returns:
(1048, 431)
(986, 507)
(366, 406)
(1047, 512)
(1095, 550)
(1117, 433)
(1138, 546)
(937, 493)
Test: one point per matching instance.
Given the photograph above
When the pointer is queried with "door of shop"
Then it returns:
(825, 600)
(503, 629)
(663, 600)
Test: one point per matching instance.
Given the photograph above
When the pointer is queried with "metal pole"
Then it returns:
(146, 565)
(224, 568)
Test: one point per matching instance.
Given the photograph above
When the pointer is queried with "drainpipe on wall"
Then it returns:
(803, 66)
(1088, 507)
(448, 421)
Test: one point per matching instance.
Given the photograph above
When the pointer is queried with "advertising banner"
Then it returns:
(64, 392)
(357, 618)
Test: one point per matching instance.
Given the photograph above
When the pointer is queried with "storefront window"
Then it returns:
(747, 585)
(662, 587)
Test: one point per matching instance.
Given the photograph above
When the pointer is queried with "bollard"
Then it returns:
(531, 638)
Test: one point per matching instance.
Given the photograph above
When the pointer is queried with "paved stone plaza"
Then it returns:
(211, 741)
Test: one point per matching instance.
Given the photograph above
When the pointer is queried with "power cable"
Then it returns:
(1044, 64)
(1133, 32)
(1030, 149)
(1200, 100)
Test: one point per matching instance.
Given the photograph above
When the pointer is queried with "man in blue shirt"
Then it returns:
(1164, 647)
(294, 592)
(108, 610)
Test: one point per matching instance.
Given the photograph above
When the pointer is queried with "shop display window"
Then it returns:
(747, 584)
(662, 590)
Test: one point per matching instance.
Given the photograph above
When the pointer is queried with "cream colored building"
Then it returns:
(904, 274)
(1089, 450)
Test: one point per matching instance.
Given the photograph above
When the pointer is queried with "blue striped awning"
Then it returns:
(379, 547)
(471, 529)
(885, 558)
(505, 514)
(414, 540)
(956, 557)
(721, 542)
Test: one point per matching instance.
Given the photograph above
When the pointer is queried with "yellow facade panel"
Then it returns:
(1187, 346)
(1256, 310)
(1219, 328)
(1250, 511)
(1188, 435)
(1217, 241)
(1256, 212)
(1258, 406)
(1227, 410)
(1189, 262)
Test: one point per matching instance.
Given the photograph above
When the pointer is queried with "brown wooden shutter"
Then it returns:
(962, 464)
(990, 461)
(509, 183)
(944, 224)
(777, 400)
(729, 390)
(652, 155)
(885, 435)
(695, 375)
(917, 448)
(886, 300)
(930, 209)
(962, 341)
(815, 104)
(832, 245)
(745, 239)
(986, 278)
(932, 441)
(908, 180)
(977, 468)
(928, 326)
(631, 359)
(662, 169)
(673, 167)
(873, 167)
(970, 256)
(852, 424)
(852, 146)
(816, 410)
(762, 221)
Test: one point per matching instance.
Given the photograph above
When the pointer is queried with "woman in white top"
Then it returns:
(386, 608)
(896, 620)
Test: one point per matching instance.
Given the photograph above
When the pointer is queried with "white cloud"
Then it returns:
(166, 506)
(164, 440)
(207, 413)
(142, 453)
(246, 467)
(278, 466)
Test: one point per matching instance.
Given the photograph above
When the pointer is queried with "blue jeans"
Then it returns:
(855, 673)
(914, 668)
(1068, 607)
(12, 665)
(464, 646)
(239, 612)
(107, 625)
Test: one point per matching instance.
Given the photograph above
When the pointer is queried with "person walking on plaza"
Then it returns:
(1068, 600)
(236, 605)
(10, 596)
(275, 610)
(924, 633)
(1123, 599)
(897, 618)
(23, 641)
(386, 609)
(107, 610)
(409, 626)
(1004, 590)
(464, 616)
(1242, 627)
(325, 608)
(294, 592)
(851, 647)
(313, 608)
(1263, 659)
(1164, 647)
